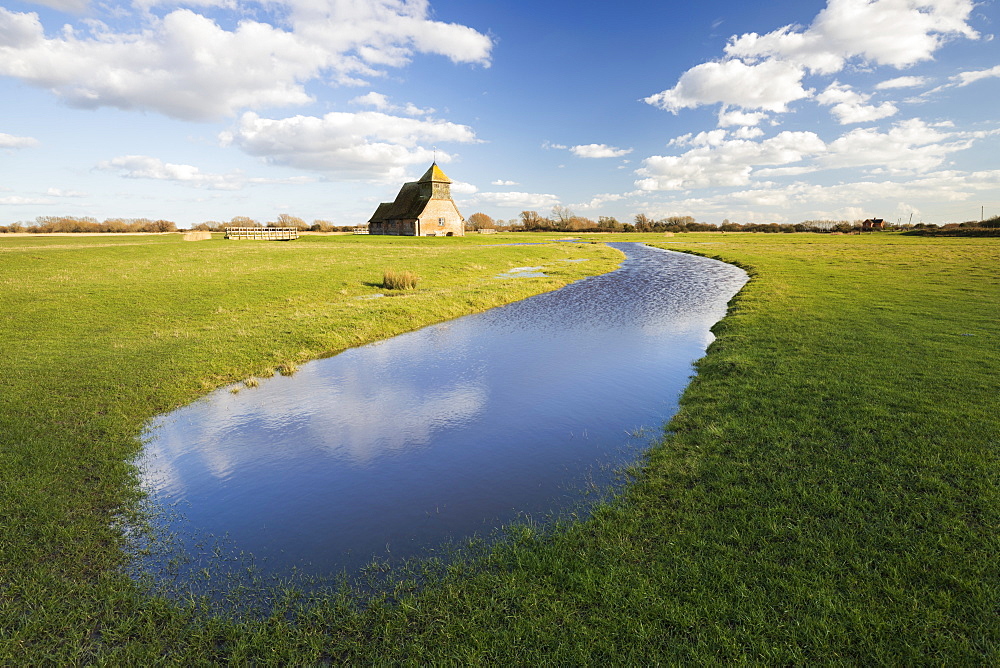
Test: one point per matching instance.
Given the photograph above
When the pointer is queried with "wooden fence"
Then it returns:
(263, 233)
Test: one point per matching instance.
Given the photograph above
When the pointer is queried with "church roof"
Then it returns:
(434, 174)
(409, 203)
(381, 213)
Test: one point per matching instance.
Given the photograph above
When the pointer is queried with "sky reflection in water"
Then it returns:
(445, 431)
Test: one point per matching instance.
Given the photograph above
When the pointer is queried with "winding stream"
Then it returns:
(391, 448)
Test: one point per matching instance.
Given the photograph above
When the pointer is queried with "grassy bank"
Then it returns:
(100, 334)
(828, 492)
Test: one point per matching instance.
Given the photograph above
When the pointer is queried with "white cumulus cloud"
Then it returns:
(186, 65)
(382, 103)
(367, 145)
(889, 197)
(901, 82)
(897, 33)
(20, 200)
(769, 86)
(599, 151)
(59, 192)
(765, 72)
(13, 141)
(69, 6)
(850, 106)
(146, 167)
(373, 99)
(729, 162)
(747, 132)
(600, 200)
(518, 200)
(966, 78)
(463, 188)
(910, 145)
(732, 117)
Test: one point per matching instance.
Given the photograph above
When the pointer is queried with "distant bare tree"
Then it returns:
(530, 220)
(562, 215)
(286, 220)
(480, 221)
(243, 221)
(117, 225)
(643, 223)
(609, 223)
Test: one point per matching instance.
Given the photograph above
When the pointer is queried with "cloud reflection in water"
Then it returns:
(447, 430)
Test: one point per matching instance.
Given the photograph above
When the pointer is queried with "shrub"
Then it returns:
(399, 280)
(322, 226)
(287, 220)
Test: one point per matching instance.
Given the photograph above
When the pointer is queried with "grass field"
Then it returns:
(829, 491)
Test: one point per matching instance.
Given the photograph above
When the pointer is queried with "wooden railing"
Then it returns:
(263, 233)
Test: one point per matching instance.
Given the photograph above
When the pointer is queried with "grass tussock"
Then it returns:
(399, 280)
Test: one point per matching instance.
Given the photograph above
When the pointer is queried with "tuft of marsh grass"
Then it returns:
(399, 280)
(251, 382)
(288, 368)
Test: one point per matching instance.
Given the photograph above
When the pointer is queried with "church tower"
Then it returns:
(435, 184)
(422, 208)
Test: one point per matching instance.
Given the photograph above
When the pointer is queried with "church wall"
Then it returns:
(441, 208)
(406, 228)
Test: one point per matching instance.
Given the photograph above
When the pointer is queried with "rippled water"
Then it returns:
(453, 429)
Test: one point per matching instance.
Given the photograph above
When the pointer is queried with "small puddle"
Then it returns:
(522, 272)
(530, 272)
(389, 449)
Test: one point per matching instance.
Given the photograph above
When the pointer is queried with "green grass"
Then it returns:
(829, 491)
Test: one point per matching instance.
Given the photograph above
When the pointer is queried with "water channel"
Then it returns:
(391, 448)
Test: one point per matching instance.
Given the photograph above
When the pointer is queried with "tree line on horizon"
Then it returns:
(562, 219)
(88, 225)
(85, 225)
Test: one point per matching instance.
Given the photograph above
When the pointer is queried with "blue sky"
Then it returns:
(753, 112)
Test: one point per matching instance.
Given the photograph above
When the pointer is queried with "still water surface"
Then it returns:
(391, 448)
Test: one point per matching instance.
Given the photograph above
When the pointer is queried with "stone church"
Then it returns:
(422, 208)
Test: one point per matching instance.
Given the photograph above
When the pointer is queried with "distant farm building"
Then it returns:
(873, 224)
(422, 208)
